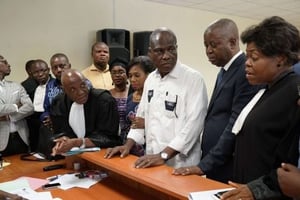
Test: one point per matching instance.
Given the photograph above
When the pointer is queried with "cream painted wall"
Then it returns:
(33, 29)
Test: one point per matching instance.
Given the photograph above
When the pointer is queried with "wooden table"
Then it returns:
(157, 181)
(105, 189)
(124, 181)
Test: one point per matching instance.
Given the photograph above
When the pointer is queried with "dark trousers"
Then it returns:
(15, 145)
(34, 124)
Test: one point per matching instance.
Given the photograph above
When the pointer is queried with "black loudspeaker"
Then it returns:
(118, 52)
(118, 41)
(141, 43)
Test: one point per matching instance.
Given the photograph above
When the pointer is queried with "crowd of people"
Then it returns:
(157, 108)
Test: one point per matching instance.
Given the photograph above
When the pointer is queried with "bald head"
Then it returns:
(163, 50)
(162, 33)
(70, 75)
(74, 84)
(226, 28)
(221, 40)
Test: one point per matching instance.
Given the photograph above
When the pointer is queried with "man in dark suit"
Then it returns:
(88, 117)
(231, 93)
(30, 84)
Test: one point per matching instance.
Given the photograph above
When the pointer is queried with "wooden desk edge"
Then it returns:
(97, 158)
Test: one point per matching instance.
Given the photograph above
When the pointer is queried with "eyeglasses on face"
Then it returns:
(120, 72)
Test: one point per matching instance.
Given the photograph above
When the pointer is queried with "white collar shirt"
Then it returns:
(226, 67)
(39, 98)
(174, 108)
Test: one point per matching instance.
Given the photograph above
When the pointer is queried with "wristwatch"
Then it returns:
(83, 143)
(164, 156)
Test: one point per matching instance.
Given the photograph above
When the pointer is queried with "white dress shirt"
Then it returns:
(39, 98)
(77, 120)
(174, 108)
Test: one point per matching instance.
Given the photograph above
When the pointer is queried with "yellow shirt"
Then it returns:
(99, 79)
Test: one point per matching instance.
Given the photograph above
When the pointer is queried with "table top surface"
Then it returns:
(157, 178)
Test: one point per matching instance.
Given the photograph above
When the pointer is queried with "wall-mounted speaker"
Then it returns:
(141, 43)
(114, 37)
(118, 41)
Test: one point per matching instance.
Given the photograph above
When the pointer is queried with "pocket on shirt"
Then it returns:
(170, 114)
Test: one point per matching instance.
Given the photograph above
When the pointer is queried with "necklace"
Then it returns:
(136, 97)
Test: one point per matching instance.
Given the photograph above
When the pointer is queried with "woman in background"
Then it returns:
(118, 71)
(138, 70)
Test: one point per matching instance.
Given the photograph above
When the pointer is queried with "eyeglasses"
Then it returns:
(161, 51)
(115, 73)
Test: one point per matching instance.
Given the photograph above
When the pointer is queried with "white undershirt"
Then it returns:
(77, 120)
(39, 97)
(246, 110)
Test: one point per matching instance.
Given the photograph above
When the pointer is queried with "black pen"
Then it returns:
(52, 178)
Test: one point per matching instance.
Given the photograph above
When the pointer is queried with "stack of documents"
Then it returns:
(25, 187)
(77, 150)
(207, 195)
(68, 181)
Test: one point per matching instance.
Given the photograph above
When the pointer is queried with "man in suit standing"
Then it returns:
(231, 93)
(15, 105)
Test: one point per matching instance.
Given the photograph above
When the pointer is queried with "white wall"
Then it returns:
(32, 29)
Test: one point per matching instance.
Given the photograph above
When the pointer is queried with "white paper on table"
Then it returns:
(10, 186)
(68, 181)
(30, 194)
(206, 195)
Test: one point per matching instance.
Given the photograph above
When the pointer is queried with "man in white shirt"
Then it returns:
(173, 104)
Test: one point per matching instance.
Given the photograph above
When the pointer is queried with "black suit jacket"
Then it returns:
(227, 101)
(101, 118)
(30, 85)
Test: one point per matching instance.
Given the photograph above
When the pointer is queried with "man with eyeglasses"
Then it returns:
(173, 104)
(15, 106)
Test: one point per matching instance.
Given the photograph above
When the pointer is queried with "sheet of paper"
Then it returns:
(5, 163)
(68, 181)
(206, 195)
(30, 194)
(35, 183)
(77, 150)
(10, 186)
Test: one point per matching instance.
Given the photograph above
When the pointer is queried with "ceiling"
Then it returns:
(253, 9)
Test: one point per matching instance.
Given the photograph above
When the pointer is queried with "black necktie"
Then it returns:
(220, 76)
